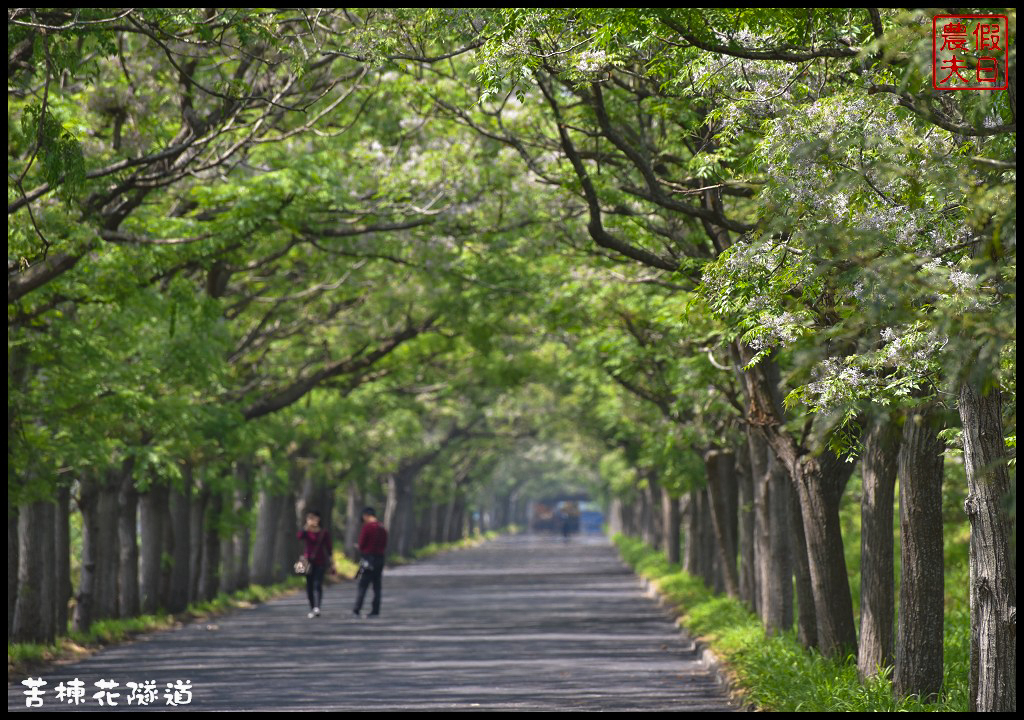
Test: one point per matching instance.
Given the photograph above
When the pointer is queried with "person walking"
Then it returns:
(373, 543)
(321, 557)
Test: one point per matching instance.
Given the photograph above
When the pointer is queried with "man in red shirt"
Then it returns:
(373, 543)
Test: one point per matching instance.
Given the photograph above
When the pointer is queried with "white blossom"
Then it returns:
(591, 61)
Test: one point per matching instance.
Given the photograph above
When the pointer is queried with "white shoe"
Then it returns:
(316, 612)
(310, 615)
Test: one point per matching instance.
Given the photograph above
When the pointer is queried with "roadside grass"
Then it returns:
(776, 673)
(435, 548)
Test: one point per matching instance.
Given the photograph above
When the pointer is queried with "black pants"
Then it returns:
(370, 575)
(315, 585)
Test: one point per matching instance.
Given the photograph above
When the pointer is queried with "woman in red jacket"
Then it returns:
(320, 555)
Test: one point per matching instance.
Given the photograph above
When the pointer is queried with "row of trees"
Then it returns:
(826, 220)
(259, 260)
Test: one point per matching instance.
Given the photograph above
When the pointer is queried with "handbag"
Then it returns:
(365, 565)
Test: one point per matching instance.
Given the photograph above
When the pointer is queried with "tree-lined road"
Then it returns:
(521, 623)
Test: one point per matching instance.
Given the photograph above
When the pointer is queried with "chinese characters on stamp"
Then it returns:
(970, 52)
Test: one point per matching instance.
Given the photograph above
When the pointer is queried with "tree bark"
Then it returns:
(270, 507)
(197, 525)
(749, 588)
(243, 538)
(708, 567)
(651, 493)
(353, 514)
(777, 540)
(721, 479)
(691, 549)
(12, 563)
(97, 588)
(87, 501)
(109, 558)
(877, 593)
(616, 526)
(62, 557)
(670, 521)
(180, 549)
(993, 675)
(128, 542)
(819, 483)
(287, 547)
(228, 561)
(459, 524)
(153, 513)
(35, 612)
(807, 620)
(209, 576)
(398, 517)
(919, 635)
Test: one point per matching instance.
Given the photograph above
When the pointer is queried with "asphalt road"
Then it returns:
(520, 623)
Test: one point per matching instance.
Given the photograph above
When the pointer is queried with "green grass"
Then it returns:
(777, 673)
(435, 548)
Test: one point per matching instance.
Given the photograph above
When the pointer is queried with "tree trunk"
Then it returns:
(919, 636)
(197, 525)
(398, 516)
(708, 567)
(670, 521)
(128, 542)
(243, 538)
(88, 497)
(749, 588)
(638, 518)
(819, 483)
(105, 603)
(806, 621)
(353, 522)
(459, 526)
(35, 612)
(12, 563)
(153, 513)
(62, 557)
(652, 514)
(228, 561)
(270, 508)
(691, 550)
(777, 567)
(180, 549)
(721, 489)
(287, 548)
(616, 526)
(993, 676)
(97, 589)
(209, 576)
(877, 603)
(436, 522)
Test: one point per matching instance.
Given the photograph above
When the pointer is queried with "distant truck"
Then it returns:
(566, 517)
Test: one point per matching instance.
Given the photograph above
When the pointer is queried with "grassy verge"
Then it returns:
(777, 673)
(435, 548)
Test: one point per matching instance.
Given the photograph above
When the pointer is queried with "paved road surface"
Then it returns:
(520, 623)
